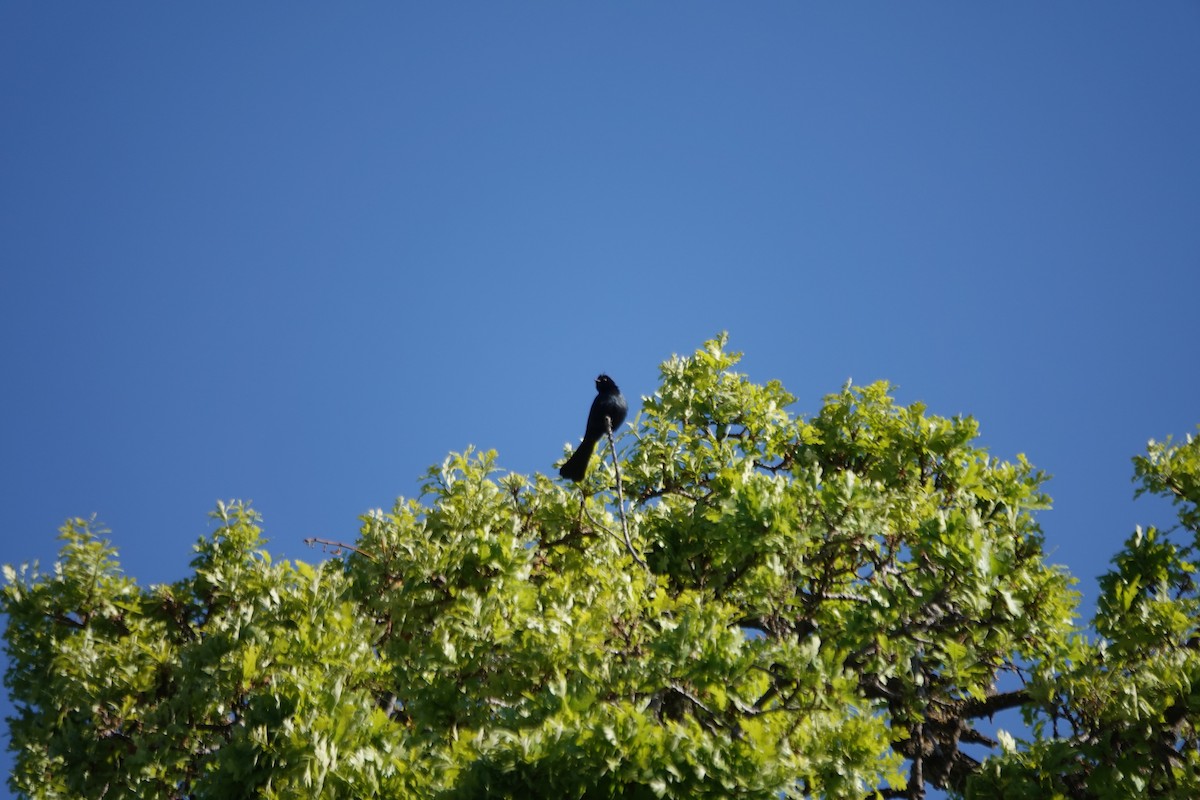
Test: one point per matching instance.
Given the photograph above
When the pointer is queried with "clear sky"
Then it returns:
(296, 253)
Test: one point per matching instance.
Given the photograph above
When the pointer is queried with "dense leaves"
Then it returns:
(1118, 717)
(762, 605)
(247, 679)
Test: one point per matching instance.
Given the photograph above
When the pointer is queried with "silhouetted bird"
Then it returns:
(608, 412)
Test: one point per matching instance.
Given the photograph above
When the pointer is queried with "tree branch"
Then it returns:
(612, 446)
(338, 547)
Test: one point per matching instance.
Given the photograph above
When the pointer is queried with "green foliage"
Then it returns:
(820, 607)
(1173, 471)
(247, 679)
(1118, 718)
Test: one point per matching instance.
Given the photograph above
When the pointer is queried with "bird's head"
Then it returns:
(605, 384)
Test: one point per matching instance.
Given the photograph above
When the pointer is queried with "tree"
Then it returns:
(761, 606)
(1116, 716)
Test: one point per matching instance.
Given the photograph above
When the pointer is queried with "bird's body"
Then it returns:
(607, 414)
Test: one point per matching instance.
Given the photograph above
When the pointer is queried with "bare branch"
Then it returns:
(612, 446)
(337, 547)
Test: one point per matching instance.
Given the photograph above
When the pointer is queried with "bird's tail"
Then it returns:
(577, 464)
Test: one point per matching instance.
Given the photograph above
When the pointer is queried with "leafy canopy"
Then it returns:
(765, 605)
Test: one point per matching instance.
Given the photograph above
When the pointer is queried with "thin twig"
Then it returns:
(338, 547)
(612, 446)
(595, 522)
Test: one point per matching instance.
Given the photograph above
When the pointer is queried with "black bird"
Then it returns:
(608, 412)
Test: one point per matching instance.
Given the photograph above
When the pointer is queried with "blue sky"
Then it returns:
(297, 253)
